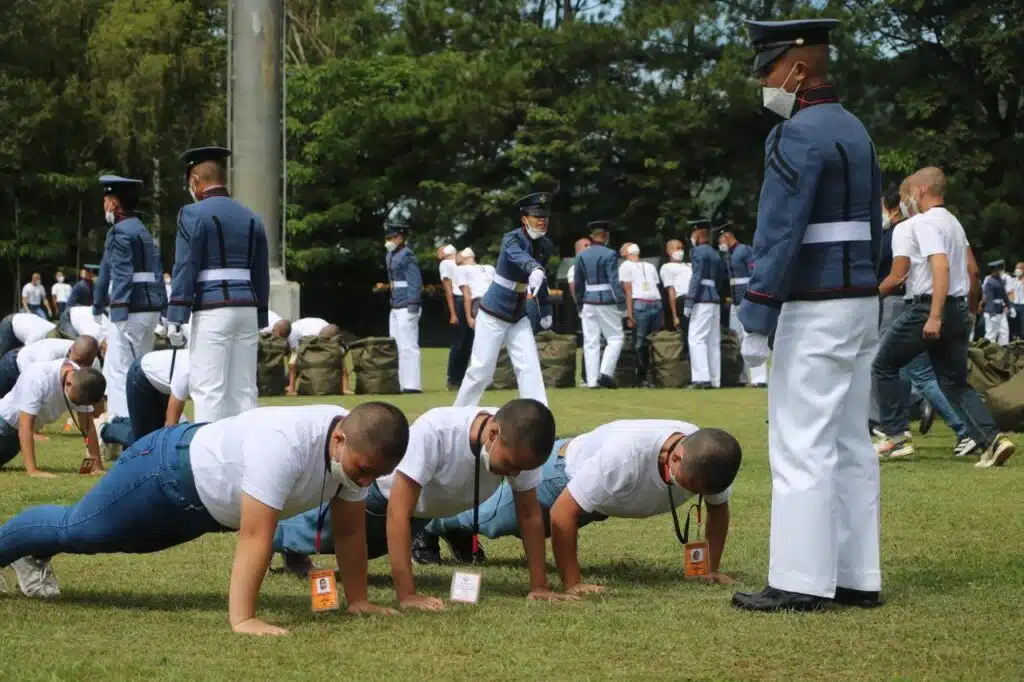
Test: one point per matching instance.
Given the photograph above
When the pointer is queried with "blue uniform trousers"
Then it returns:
(145, 503)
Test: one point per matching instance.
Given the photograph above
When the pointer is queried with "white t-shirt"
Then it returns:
(33, 293)
(613, 470)
(1016, 287)
(440, 460)
(303, 327)
(60, 291)
(29, 327)
(644, 278)
(273, 454)
(570, 274)
(156, 365)
(477, 277)
(272, 319)
(677, 275)
(447, 269)
(926, 234)
(40, 392)
(46, 350)
(83, 323)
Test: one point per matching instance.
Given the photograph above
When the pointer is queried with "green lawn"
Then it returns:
(952, 558)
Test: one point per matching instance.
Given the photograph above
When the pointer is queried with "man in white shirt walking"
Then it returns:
(1015, 288)
(472, 280)
(624, 469)
(60, 291)
(643, 305)
(930, 250)
(33, 298)
(241, 473)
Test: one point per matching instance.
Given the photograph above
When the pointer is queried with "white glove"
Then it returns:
(1013, 313)
(545, 322)
(537, 278)
(175, 335)
(754, 350)
(686, 312)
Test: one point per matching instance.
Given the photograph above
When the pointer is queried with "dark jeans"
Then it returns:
(647, 316)
(1017, 323)
(10, 443)
(8, 341)
(684, 324)
(904, 342)
(61, 307)
(461, 348)
(9, 371)
(145, 503)
(38, 310)
(64, 323)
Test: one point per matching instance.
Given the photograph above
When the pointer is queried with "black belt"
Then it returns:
(927, 298)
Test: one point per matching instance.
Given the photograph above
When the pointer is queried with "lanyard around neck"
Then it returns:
(476, 446)
(683, 535)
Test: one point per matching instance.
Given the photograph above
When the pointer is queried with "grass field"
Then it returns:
(953, 562)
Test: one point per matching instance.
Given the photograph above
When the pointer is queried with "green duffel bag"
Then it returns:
(988, 366)
(319, 364)
(557, 354)
(504, 373)
(625, 370)
(732, 360)
(271, 365)
(1006, 404)
(375, 364)
(669, 366)
(58, 333)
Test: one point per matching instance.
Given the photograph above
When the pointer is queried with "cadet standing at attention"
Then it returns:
(502, 319)
(222, 273)
(704, 309)
(816, 248)
(81, 293)
(129, 283)
(602, 302)
(406, 289)
(740, 263)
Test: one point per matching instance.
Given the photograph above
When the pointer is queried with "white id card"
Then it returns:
(466, 587)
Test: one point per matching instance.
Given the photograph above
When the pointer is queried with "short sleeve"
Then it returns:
(26, 290)
(448, 270)
(929, 239)
(526, 480)
(421, 455)
(720, 498)
(271, 467)
(902, 240)
(605, 477)
(625, 272)
(179, 382)
(31, 399)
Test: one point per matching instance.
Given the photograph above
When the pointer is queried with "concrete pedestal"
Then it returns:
(284, 295)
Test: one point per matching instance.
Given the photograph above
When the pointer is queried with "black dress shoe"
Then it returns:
(426, 549)
(605, 381)
(298, 565)
(770, 600)
(461, 545)
(927, 417)
(700, 386)
(865, 600)
(411, 390)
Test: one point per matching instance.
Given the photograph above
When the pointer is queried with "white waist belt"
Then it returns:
(509, 284)
(707, 282)
(399, 285)
(598, 287)
(143, 277)
(739, 280)
(240, 274)
(842, 231)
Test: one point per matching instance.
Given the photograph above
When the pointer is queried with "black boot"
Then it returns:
(770, 600)
(605, 381)
(865, 600)
(426, 549)
(461, 545)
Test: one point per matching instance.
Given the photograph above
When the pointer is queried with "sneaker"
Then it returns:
(964, 447)
(35, 578)
(298, 565)
(997, 453)
(878, 433)
(426, 549)
(461, 545)
(895, 447)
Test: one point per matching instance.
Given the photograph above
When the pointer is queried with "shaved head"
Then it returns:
(83, 351)
(210, 173)
(330, 331)
(673, 245)
(931, 180)
(582, 243)
(282, 328)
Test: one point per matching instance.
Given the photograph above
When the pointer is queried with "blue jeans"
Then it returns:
(298, 534)
(37, 310)
(9, 371)
(647, 315)
(497, 513)
(61, 307)
(145, 503)
(948, 354)
(147, 408)
(921, 376)
(10, 444)
(461, 348)
(64, 323)
(8, 341)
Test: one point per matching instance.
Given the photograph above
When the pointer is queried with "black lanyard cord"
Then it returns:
(321, 514)
(476, 447)
(683, 535)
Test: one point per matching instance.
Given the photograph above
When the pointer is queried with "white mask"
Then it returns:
(693, 241)
(390, 246)
(677, 256)
(60, 279)
(1018, 272)
(485, 458)
(778, 100)
(724, 248)
(534, 234)
(886, 221)
(109, 215)
(672, 479)
(339, 475)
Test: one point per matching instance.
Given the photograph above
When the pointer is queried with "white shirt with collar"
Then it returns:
(303, 327)
(276, 455)
(29, 327)
(440, 460)
(46, 350)
(60, 291)
(447, 269)
(1016, 287)
(613, 470)
(676, 275)
(39, 392)
(156, 365)
(477, 277)
(926, 234)
(33, 293)
(644, 278)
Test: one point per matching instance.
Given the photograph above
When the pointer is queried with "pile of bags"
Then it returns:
(557, 354)
(997, 373)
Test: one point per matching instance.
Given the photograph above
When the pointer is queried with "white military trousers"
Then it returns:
(404, 328)
(126, 342)
(705, 341)
(825, 480)
(223, 347)
(598, 321)
(491, 334)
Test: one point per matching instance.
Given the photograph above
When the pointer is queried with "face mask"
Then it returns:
(339, 475)
(485, 458)
(777, 100)
(886, 222)
(109, 215)
(534, 234)
(390, 246)
(693, 241)
(677, 256)
(724, 248)
(60, 279)
(672, 479)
